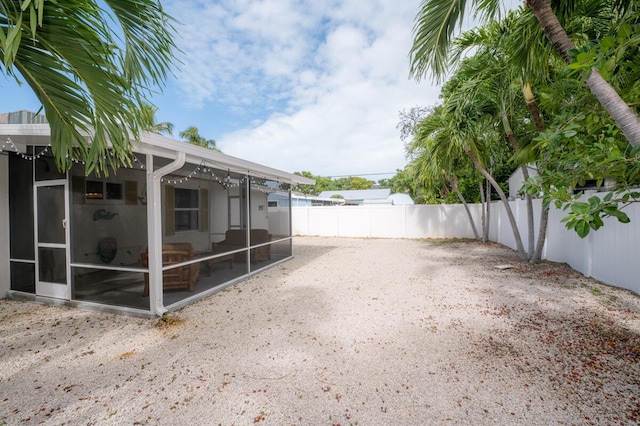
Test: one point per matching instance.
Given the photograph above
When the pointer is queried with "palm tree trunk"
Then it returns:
(542, 234)
(525, 175)
(454, 185)
(544, 209)
(512, 220)
(488, 197)
(530, 101)
(625, 118)
(484, 217)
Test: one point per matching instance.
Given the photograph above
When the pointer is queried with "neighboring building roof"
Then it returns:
(359, 194)
(162, 146)
(370, 196)
(401, 199)
(22, 117)
(299, 199)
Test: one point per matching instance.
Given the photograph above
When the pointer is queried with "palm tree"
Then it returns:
(437, 20)
(148, 116)
(453, 134)
(192, 135)
(435, 171)
(486, 79)
(91, 68)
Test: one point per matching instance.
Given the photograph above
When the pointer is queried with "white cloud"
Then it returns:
(334, 76)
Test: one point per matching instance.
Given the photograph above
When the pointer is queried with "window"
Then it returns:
(101, 190)
(186, 209)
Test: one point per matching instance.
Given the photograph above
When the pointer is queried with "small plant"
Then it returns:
(596, 291)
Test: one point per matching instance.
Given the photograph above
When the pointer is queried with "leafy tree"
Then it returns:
(437, 19)
(401, 182)
(435, 169)
(328, 184)
(306, 189)
(581, 146)
(350, 183)
(192, 135)
(464, 131)
(90, 67)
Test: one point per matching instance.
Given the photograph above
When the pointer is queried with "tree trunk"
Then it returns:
(530, 226)
(488, 197)
(454, 185)
(512, 220)
(484, 217)
(625, 118)
(525, 175)
(544, 212)
(542, 234)
(530, 100)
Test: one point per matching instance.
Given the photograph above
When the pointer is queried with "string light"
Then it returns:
(9, 145)
(21, 154)
(226, 182)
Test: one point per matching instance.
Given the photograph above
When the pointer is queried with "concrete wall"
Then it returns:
(609, 255)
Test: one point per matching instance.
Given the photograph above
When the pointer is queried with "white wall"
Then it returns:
(609, 254)
(5, 275)
(259, 218)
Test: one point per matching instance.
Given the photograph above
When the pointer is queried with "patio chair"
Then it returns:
(179, 278)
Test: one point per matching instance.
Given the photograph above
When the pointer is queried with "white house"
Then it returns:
(179, 224)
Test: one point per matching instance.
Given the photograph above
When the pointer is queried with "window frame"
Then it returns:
(178, 210)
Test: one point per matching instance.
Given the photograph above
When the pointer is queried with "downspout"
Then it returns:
(291, 221)
(154, 228)
(247, 188)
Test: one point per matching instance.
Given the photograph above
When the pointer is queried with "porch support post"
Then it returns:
(154, 227)
(247, 189)
(5, 276)
(291, 222)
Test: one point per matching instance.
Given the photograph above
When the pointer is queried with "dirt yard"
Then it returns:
(351, 331)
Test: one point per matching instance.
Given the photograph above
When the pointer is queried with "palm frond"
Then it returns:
(433, 31)
(76, 69)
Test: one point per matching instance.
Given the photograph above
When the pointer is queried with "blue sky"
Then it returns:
(296, 85)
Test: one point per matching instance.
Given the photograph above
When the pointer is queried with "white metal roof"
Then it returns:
(359, 194)
(162, 146)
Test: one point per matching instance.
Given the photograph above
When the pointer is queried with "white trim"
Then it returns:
(108, 268)
(162, 146)
(46, 288)
(11, 259)
(154, 229)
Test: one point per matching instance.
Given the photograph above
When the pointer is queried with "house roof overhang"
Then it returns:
(22, 135)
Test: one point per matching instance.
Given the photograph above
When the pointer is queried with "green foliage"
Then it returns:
(192, 135)
(91, 67)
(401, 182)
(581, 141)
(329, 184)
(580, 148)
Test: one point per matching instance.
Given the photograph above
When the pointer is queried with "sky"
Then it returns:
(294, 85)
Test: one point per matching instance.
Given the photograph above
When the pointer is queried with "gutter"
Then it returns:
(154, 229)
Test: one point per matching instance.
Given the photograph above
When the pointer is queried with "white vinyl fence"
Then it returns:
(610, 255)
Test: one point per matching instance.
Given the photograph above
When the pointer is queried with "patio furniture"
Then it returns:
(180, 278)
(217, 250)
(235, 239)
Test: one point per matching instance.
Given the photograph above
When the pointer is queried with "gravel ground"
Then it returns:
(351, 331)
